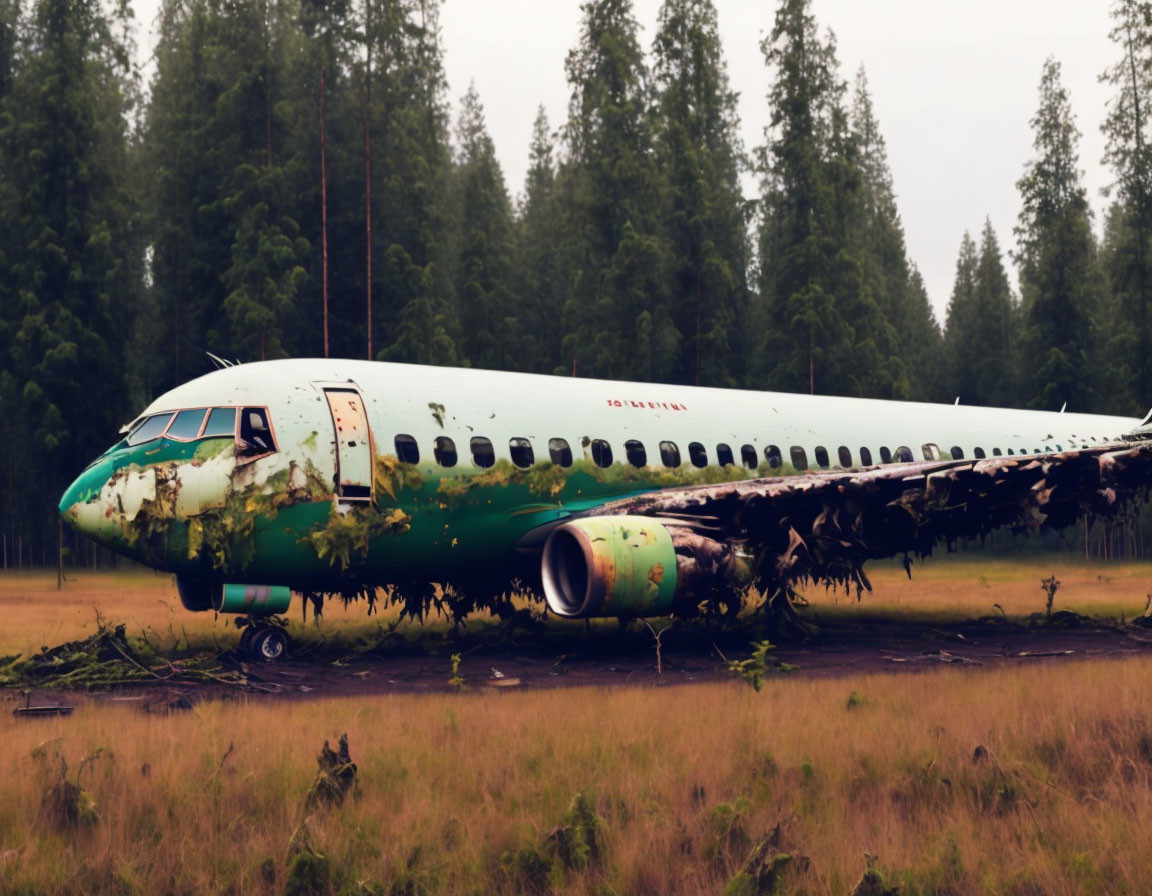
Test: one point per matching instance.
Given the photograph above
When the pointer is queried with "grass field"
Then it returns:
(1025, 780)
(948, 589)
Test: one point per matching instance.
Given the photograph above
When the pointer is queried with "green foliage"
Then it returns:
(579, 838)
(1129, 153)
(700, 160)
(65, 805)
(825, 328)
(728, 831)
(982, 326)
(759, 665)
(309, 870)
(1059, 273)
(457, 680)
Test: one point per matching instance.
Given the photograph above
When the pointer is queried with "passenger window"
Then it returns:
(148, 429)
(845, 456)
(635, 453)
(186, 426)
(996, 452)
(799, 458)
(601, 453)
(865, 457)
(748, 456)
(697, 454)
(822, 457)
(903, 455)
(773, 456)
(931, 451)
(221, 422)
(885, 455)
(444, 450)
(255, 433)
(483, 454)
(979, 452)
(670, 454)
(560, 452)
(521, 451)
(724, 455)
(957, 453)
(407, 451)
(1010, 451)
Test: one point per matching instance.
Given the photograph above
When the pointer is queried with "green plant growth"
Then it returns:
(579, 839)
(64, 804)
(457, 680)
(757, 667)
(309, 870)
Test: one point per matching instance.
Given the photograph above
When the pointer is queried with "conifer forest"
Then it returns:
(294, 180)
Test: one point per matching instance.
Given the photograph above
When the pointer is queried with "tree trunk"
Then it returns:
(323, 215)
(368, 178)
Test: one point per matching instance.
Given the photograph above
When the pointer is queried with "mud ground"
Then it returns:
(626, 658)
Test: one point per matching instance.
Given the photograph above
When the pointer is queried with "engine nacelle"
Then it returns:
(610, 566)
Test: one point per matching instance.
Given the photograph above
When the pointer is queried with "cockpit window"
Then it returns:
(186, 426)
(148, 429)
(221, 422)
(255, 433)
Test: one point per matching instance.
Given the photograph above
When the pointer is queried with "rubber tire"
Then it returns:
(246, 637)
(269, 645)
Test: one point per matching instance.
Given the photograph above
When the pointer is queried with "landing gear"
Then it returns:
(263, 643)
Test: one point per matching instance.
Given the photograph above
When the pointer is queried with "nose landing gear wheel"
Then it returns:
(264, 643)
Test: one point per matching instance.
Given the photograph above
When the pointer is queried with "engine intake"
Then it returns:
(629, 566)
(609, 566)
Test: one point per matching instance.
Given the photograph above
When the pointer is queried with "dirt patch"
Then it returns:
(622, 658)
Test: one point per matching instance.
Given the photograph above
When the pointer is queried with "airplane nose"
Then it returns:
(79, 503)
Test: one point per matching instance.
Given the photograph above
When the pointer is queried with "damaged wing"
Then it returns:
(822, 527)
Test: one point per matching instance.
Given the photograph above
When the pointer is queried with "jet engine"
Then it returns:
(630, 566)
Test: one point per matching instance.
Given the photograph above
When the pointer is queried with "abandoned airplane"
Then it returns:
(615, 499)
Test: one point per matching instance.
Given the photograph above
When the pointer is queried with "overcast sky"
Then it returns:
(954, 87)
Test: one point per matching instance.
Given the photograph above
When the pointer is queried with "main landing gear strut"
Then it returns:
(263, 642)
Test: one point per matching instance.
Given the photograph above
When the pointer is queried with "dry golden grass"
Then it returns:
(966, 587)
(685, 779)
(35, 613)
(952, 588)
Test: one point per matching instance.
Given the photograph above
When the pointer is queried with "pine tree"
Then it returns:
(411, 163)
(900, 293)
(1059, 278)
(69, 217)
(267, 272)
(491, 337)
(700, 156)
(1129, 153)
(617, 315)
(826, 331)
(980, 336)
(219, 139)
(538, 271)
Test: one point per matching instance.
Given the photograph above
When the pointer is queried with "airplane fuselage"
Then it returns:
(328, 475)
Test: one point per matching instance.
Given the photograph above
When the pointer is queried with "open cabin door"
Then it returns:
(353, 444)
